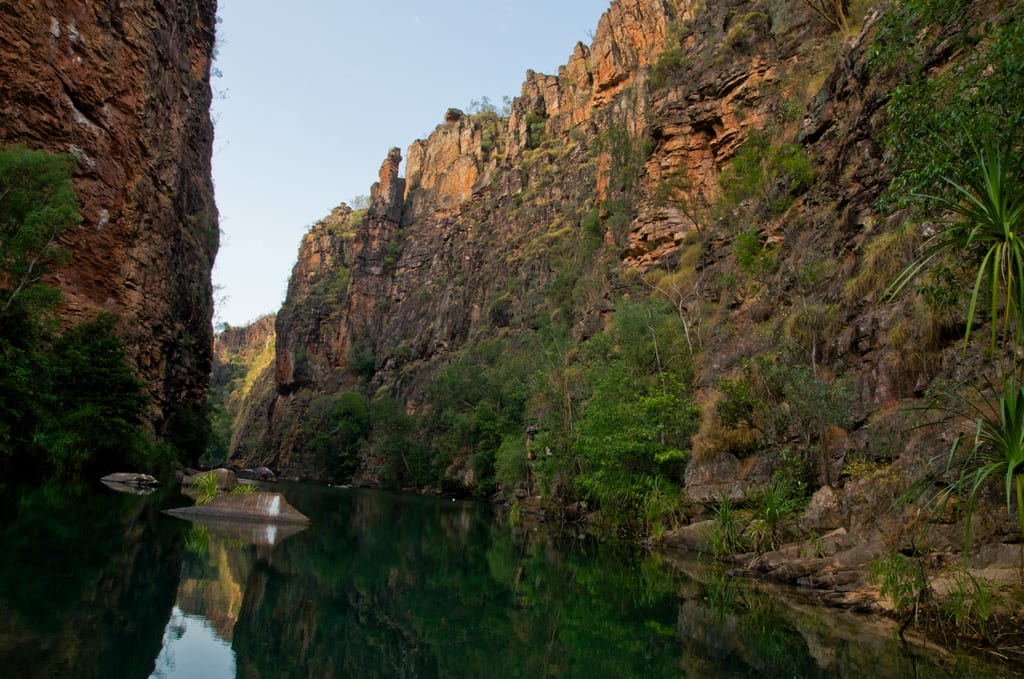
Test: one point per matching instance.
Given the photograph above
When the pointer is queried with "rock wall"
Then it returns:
(125, 87)
(631, 140)
(488, 208)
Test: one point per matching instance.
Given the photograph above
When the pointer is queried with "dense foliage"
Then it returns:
(936, 120)
(609, 420)
(69, 401)
(955, 142)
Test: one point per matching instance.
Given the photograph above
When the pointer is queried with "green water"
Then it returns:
(99, 584)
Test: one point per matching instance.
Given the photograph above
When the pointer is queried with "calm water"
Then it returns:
(99, 584)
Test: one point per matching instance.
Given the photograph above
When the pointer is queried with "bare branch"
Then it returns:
(832, 11)
(26, 277)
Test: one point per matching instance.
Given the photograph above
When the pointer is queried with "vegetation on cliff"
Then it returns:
(128, 92)
(242, 381)
(69, 401)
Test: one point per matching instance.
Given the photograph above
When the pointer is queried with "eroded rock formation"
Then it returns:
(126, 88)
(482, 222)
(616, 168)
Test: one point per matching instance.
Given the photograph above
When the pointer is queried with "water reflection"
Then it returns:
(247, 532)
(192, 649)
(386, 585)
(87, 577)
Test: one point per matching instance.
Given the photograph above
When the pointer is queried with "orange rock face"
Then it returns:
(126, 89)
(474, 241)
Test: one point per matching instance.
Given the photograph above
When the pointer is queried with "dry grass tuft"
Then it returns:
(714, 438)
(884, 258)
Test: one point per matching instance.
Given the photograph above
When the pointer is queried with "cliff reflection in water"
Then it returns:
(199, 634)
(87, 578)
(398, 585)
(387, 585)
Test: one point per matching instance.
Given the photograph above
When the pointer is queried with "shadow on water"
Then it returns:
(384, 585)
(87, 578)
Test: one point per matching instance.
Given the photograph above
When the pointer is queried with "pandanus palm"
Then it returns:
(996, 451)
(987, 220)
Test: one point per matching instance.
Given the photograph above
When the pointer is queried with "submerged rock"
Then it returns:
(249, 507)
(130, 482)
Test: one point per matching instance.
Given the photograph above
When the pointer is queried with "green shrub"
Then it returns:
(740, 402)
(672, 63)
(205, 486)
(393, 437)
(768, 173)
(392, 253)
(745, 30)
(510, 465)
(501, 310)
(619, 219)
(789, 167)
(361, 359)
(483, 471)
(335, 428)
(774, 505)
(969, 606)
(477, 399)
(73, 405)
(536, 128)
(670, 66)
(38, 204)
(748, 250)
(593, 229)
(634, 421)
(726, 535)
(937, 118)
(901, 579)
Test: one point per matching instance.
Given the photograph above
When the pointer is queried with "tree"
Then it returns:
(634, 427)
(37, 204)
(97, 402)
(336, 428)
(69, 402)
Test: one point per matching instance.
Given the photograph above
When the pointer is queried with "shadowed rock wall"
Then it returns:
(125, 86)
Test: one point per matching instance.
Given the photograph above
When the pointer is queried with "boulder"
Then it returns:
(130, 482)
(246, 507)
(257, 474)
(693, 537)
(823, 514)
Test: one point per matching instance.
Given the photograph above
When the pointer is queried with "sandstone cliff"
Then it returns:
(241, 387)
(725, 158)
(488, 217)
(125, 87)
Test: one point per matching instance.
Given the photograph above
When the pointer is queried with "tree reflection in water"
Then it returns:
(392, 585)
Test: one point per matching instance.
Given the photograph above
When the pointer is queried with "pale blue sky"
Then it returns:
(315, 92)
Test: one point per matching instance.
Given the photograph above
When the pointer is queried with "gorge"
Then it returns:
(653, 297)
(659, 285)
